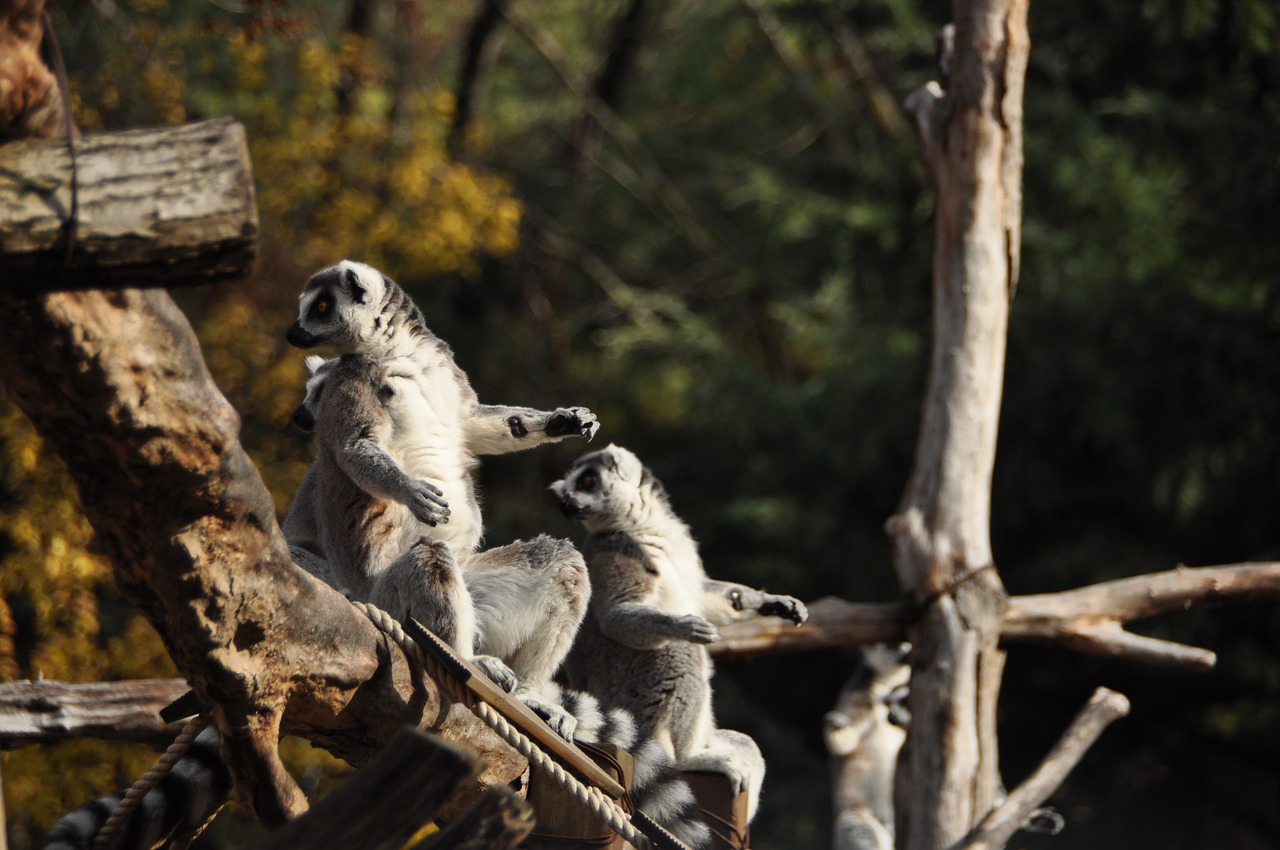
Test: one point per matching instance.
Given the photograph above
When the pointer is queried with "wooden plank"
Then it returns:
(46, 711)
(164, 207)
(387, 804)
(565, 752)
(499, 820)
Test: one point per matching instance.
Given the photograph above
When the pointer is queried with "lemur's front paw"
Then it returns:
(786, 607)
(561, 722)
(739, 775)
(426, 502)
(695, 629)
(497, 671)
(572, 422)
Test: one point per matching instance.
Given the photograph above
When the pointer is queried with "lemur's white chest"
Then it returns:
(427, 441)
(672, 552)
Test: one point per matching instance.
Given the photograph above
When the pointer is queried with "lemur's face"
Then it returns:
(354, 366)
(305, 416)
(337, 308)
(599, 485)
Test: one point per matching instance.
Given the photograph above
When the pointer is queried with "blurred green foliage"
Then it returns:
(734, 273)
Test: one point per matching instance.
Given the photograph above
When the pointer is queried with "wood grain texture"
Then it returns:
(166, 207)
(45, 711)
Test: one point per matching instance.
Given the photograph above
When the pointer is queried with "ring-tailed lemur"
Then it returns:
(363, 524)
(864, 733)
(199, 784)
(653, 609)
(528, 596)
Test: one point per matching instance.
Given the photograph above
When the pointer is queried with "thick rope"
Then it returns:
(109, 835)
(594, 799)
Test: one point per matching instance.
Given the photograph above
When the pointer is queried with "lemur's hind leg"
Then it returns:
(425, 583)
(737, 756)
(530, 598)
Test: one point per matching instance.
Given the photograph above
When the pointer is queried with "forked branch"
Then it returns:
(1103, 708)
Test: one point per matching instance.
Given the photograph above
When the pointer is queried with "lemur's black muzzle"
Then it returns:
(300, 337)
(303, 419)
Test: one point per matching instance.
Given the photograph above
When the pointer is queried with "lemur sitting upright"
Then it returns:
(653, 609)
(864, 733)
(529, 596)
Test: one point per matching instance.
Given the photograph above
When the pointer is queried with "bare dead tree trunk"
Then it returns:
(971, 136)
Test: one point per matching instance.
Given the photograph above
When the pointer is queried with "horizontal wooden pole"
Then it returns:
(1089, 619)
(166, 207)
(45, 711)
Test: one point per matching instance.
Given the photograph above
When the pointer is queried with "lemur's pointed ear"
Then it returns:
(359, 292)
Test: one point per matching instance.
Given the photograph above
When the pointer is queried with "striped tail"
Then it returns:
(657, 789)
(180, 803)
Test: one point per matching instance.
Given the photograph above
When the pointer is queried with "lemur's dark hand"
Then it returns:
(572, 422)
(427, 503)
(696, 629)
(786, 607)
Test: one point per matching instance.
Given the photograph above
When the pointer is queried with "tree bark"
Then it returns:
(163, 207)
(972, 145)
(116, 385)
(30, 98)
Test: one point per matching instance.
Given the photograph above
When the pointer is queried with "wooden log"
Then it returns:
(45, 711)
(164, 207)
(388, 803)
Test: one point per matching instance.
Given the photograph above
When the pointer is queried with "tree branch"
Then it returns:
(1088, 619)
(999, 825)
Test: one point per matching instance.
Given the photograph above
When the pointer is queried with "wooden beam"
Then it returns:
(390, 802)
(46, 711)
(164, 207)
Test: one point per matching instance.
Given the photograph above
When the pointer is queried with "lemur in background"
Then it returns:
(528, 597)
(653, 609)
(864, 733)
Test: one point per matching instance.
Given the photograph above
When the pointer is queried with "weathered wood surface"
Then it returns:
(566, 753)
(397, 795)
(115, 384)
(30, 98)
(970, 133)
(165, 207)
(1089, 619)
(46, 711)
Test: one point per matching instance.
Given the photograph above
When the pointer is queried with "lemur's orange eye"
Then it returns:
(322, 306)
